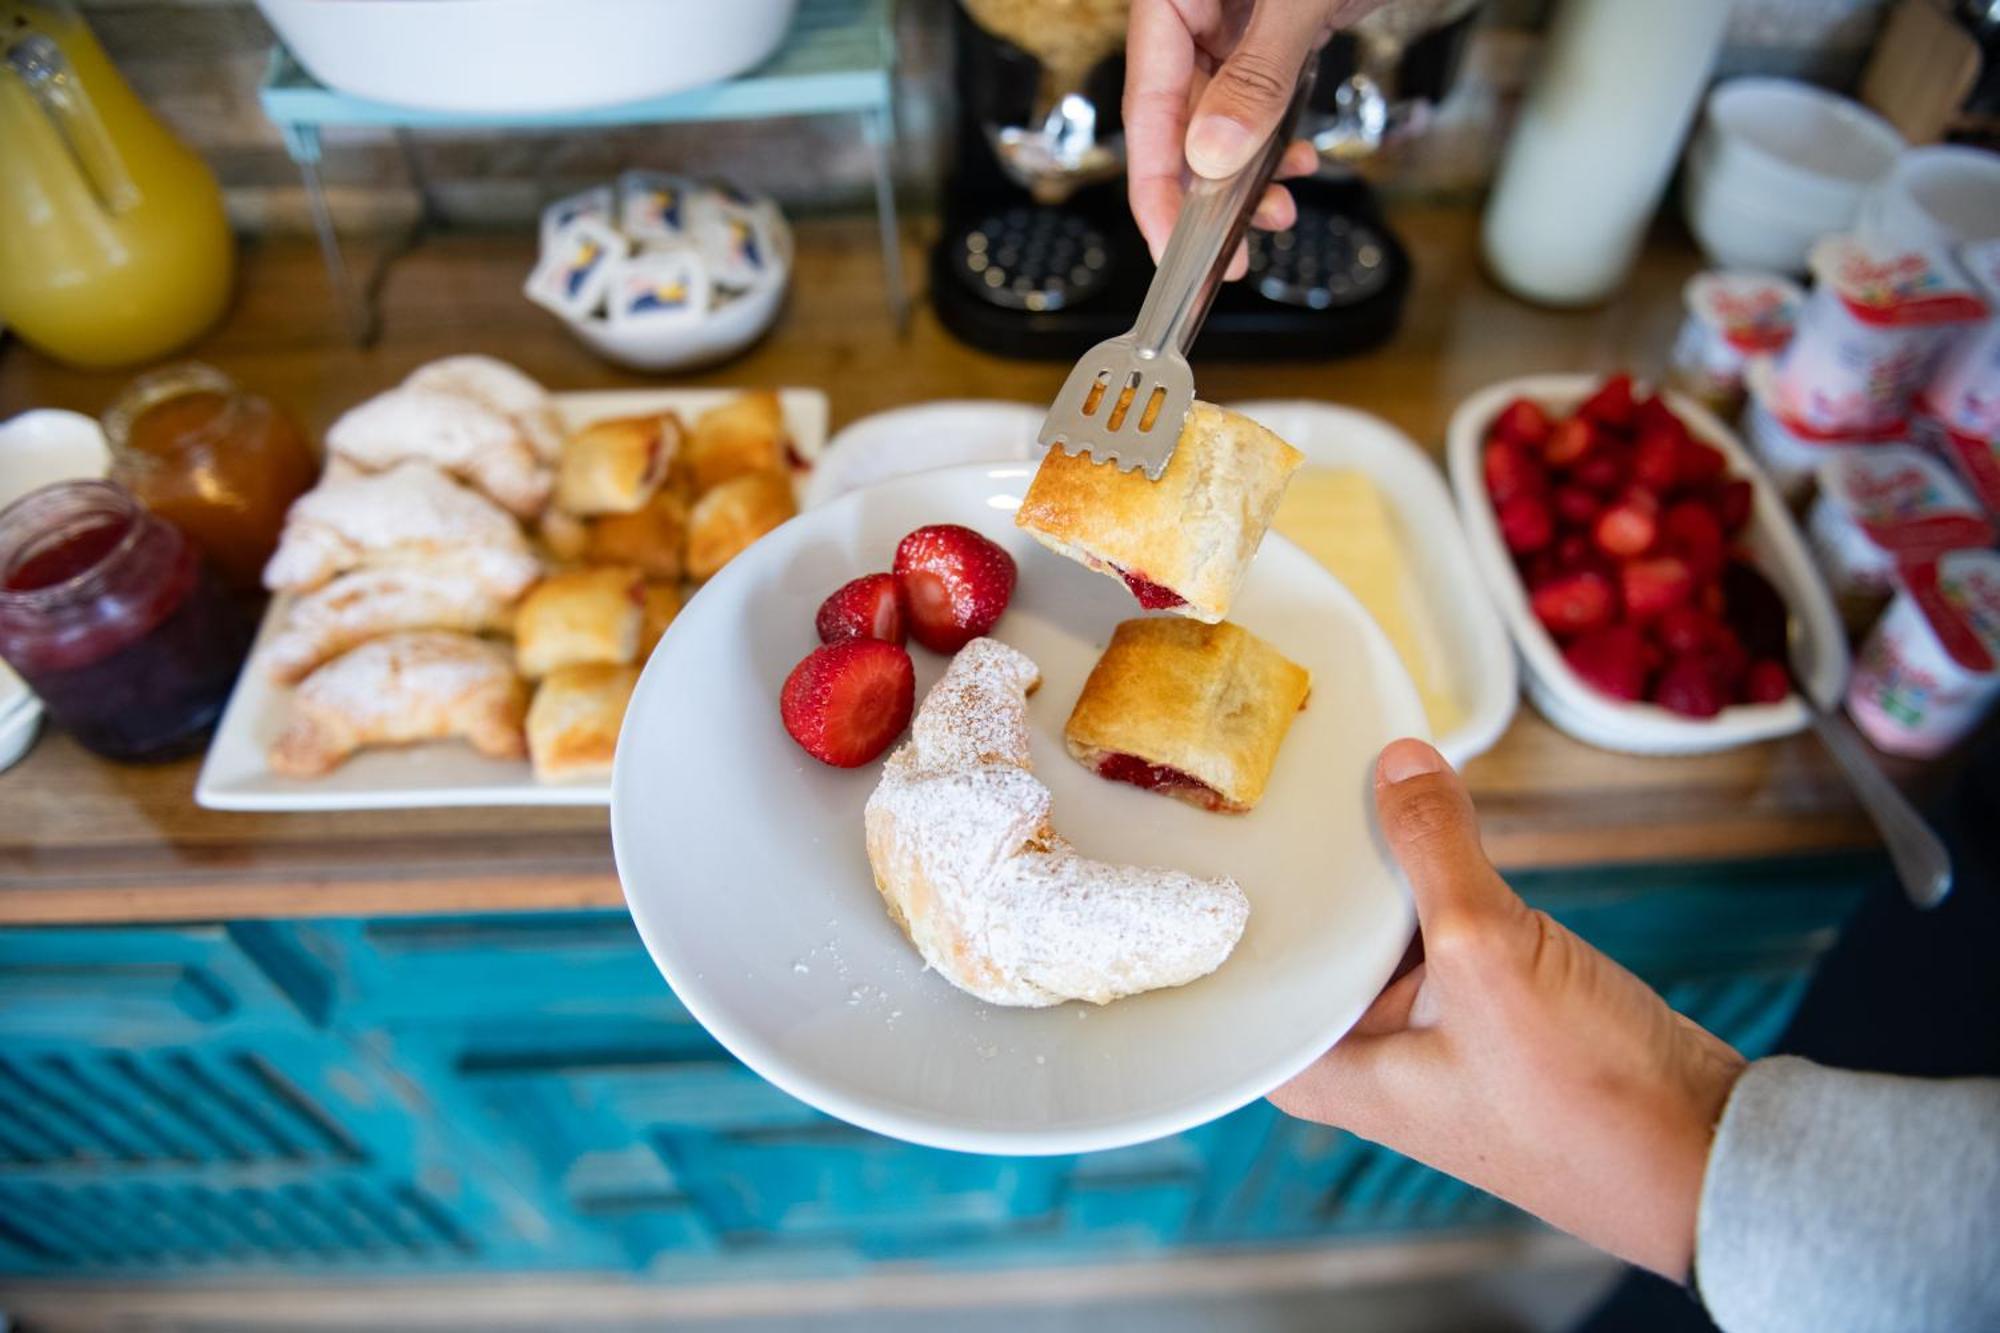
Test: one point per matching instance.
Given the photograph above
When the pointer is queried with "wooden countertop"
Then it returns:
(83, 840)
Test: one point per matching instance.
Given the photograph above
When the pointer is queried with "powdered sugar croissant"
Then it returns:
(993, 898)
(411, 515)
(423, 686)
(465, 438)
(369, 603)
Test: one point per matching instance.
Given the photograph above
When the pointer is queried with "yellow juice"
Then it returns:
(114, 248)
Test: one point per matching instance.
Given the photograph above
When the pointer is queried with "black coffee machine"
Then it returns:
(1039, 256)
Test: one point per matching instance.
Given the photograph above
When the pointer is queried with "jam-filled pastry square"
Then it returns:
(1190, 710)
(1182, 543)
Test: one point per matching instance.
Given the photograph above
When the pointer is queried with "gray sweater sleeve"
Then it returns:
(1838, 1200)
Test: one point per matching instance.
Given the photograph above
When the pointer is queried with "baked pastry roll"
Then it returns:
(422, 686)
(472, 442)
(565, 535)
(580, 615)
(734, 514)
(573, 722)
(412, 516)
(1183, 543)
(661, 604)
(745, 434)
(1192, 711)
(993, 898)
(651, 540)
(369, 603)
(494, 384)
(614, 466)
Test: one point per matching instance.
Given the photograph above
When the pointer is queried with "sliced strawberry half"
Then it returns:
(1653, 587)
(869, 607)
(955, 584)
(846, 702)
(1522, 421)
(1629, 527)
(1572, 604)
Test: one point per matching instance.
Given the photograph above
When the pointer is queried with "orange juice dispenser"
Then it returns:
(114, 248)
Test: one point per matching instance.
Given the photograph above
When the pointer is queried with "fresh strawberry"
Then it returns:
(865, 608)
(1656, 461)
(1691, 687)
(1691, 531)
(1733, 503)
(1526, 524)
(955, 585)
(1523, 422)
(1573, 551)
(1605, 471)
(1568, 443)
(1612, 404)
(1653, 415)
(848, 701)
(1700, 463)
(1611, 660)
(1687, 629)
(1512, 471)
(1629, 527)
(1653, 586)
(1574, 603)
(1577, 506)
(1766, 682)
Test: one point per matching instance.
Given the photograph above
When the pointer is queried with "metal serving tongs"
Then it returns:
(1125, 401)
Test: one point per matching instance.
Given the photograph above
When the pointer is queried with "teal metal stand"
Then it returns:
(838, 60)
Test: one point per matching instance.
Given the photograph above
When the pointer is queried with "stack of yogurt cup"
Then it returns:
(1878, 321)
(1958, 413)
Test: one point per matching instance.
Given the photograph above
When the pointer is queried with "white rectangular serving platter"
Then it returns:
(445, 773)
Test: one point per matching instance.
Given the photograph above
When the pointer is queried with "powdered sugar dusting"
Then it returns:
(993, 897)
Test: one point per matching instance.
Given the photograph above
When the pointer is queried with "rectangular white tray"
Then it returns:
(234, 776)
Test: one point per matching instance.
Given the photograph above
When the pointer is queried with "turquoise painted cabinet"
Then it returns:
(406, 1095)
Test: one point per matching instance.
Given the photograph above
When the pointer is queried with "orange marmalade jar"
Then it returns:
(221, 464)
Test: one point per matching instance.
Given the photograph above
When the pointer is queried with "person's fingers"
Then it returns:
(1159, 81)
(1300, 159)
(1428, 820)
(1249, 91)
(1275, 211)
(1393, 1008)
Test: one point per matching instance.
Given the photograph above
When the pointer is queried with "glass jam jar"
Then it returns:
(220, 464)
(111, 616)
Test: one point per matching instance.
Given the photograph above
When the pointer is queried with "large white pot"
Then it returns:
(513, 57)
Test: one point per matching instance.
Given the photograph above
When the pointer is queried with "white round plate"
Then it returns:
(743, 862)
(921, 437)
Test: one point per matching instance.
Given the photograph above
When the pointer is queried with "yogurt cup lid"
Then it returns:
(1760, 377)
(1982, 260)
(1959, 594)
(1752, 312)
(1905, 502)
(1893, 287)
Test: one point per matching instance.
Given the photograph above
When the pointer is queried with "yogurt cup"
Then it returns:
(1975, 458)
(1880, 508)
(1792, 451)
(1964, 394)
(1870, 335)
(1732, 316)
(1930, 670)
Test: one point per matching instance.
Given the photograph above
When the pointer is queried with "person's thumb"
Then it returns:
(1427, 818)
(1247, 95)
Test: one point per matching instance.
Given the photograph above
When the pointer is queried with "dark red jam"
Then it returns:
(109, 614)
(1150, 594)
(1156, 777)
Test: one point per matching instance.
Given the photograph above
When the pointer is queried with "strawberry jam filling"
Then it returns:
(1154, 777)
(1150, 594)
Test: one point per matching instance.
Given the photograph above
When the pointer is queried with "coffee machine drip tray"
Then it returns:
(1049, 281)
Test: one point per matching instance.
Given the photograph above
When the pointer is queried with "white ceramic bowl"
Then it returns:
(1773, 543)
(509, 57)
(725, 333)
(1775, 165)
(1943, 196)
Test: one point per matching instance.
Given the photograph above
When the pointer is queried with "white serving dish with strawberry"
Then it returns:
(1608, 525)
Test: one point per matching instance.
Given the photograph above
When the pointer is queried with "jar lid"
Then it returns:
(1904, 502)
(1752, 312)
(1895, 287)
(1959, 594)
